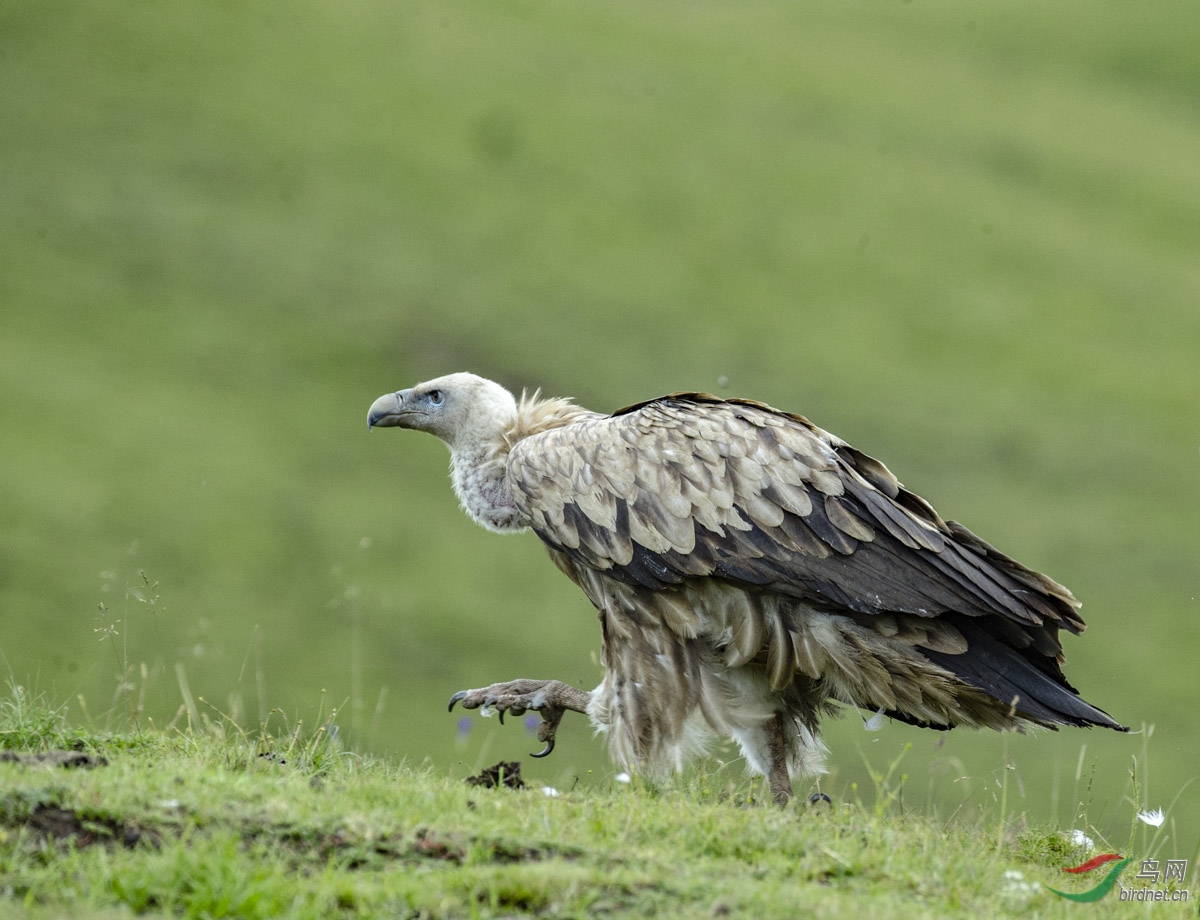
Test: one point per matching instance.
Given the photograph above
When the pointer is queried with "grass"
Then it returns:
(962, 238)
(228, 823)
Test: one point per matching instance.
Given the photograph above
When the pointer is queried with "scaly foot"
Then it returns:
(779, 779)
(550, 698)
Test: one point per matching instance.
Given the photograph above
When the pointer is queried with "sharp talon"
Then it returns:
(454, 699)
(500, 715)
(549, 748)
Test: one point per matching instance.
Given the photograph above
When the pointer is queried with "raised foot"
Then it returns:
(549, 698)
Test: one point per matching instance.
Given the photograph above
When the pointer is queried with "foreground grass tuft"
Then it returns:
(212, 824)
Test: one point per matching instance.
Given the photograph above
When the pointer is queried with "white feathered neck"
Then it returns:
(479, 454)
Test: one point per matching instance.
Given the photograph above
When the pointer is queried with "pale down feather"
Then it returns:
(751, 572)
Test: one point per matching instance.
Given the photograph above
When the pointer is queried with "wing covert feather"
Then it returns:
(690, 486)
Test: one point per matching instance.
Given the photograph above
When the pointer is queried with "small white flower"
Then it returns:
(550, 792)
(1016, 889)
(1153, 818)
(1080, 839)
(623, 778)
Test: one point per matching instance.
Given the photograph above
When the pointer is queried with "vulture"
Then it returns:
(751, 573)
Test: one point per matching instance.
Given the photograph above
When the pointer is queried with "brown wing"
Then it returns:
(693, 486)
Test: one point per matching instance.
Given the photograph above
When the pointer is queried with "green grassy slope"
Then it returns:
(962, 239)
(196, 825)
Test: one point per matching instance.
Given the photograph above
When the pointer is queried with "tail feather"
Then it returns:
(1013, 680)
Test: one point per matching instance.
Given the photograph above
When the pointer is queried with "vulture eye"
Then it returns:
(436, 397)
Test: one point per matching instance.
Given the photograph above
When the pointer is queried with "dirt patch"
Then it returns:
(83, 830)
(432, 846)
(505, 773)
(422, 845)
(72, 759)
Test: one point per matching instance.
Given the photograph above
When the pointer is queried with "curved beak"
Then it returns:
(389, 411)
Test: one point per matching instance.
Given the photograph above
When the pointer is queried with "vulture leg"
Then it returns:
(550, 698)
(779, 779)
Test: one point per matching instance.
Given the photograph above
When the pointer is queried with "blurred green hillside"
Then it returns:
(963, 237)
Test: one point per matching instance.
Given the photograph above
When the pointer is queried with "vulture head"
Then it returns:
(463, 410)
(471, 416)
